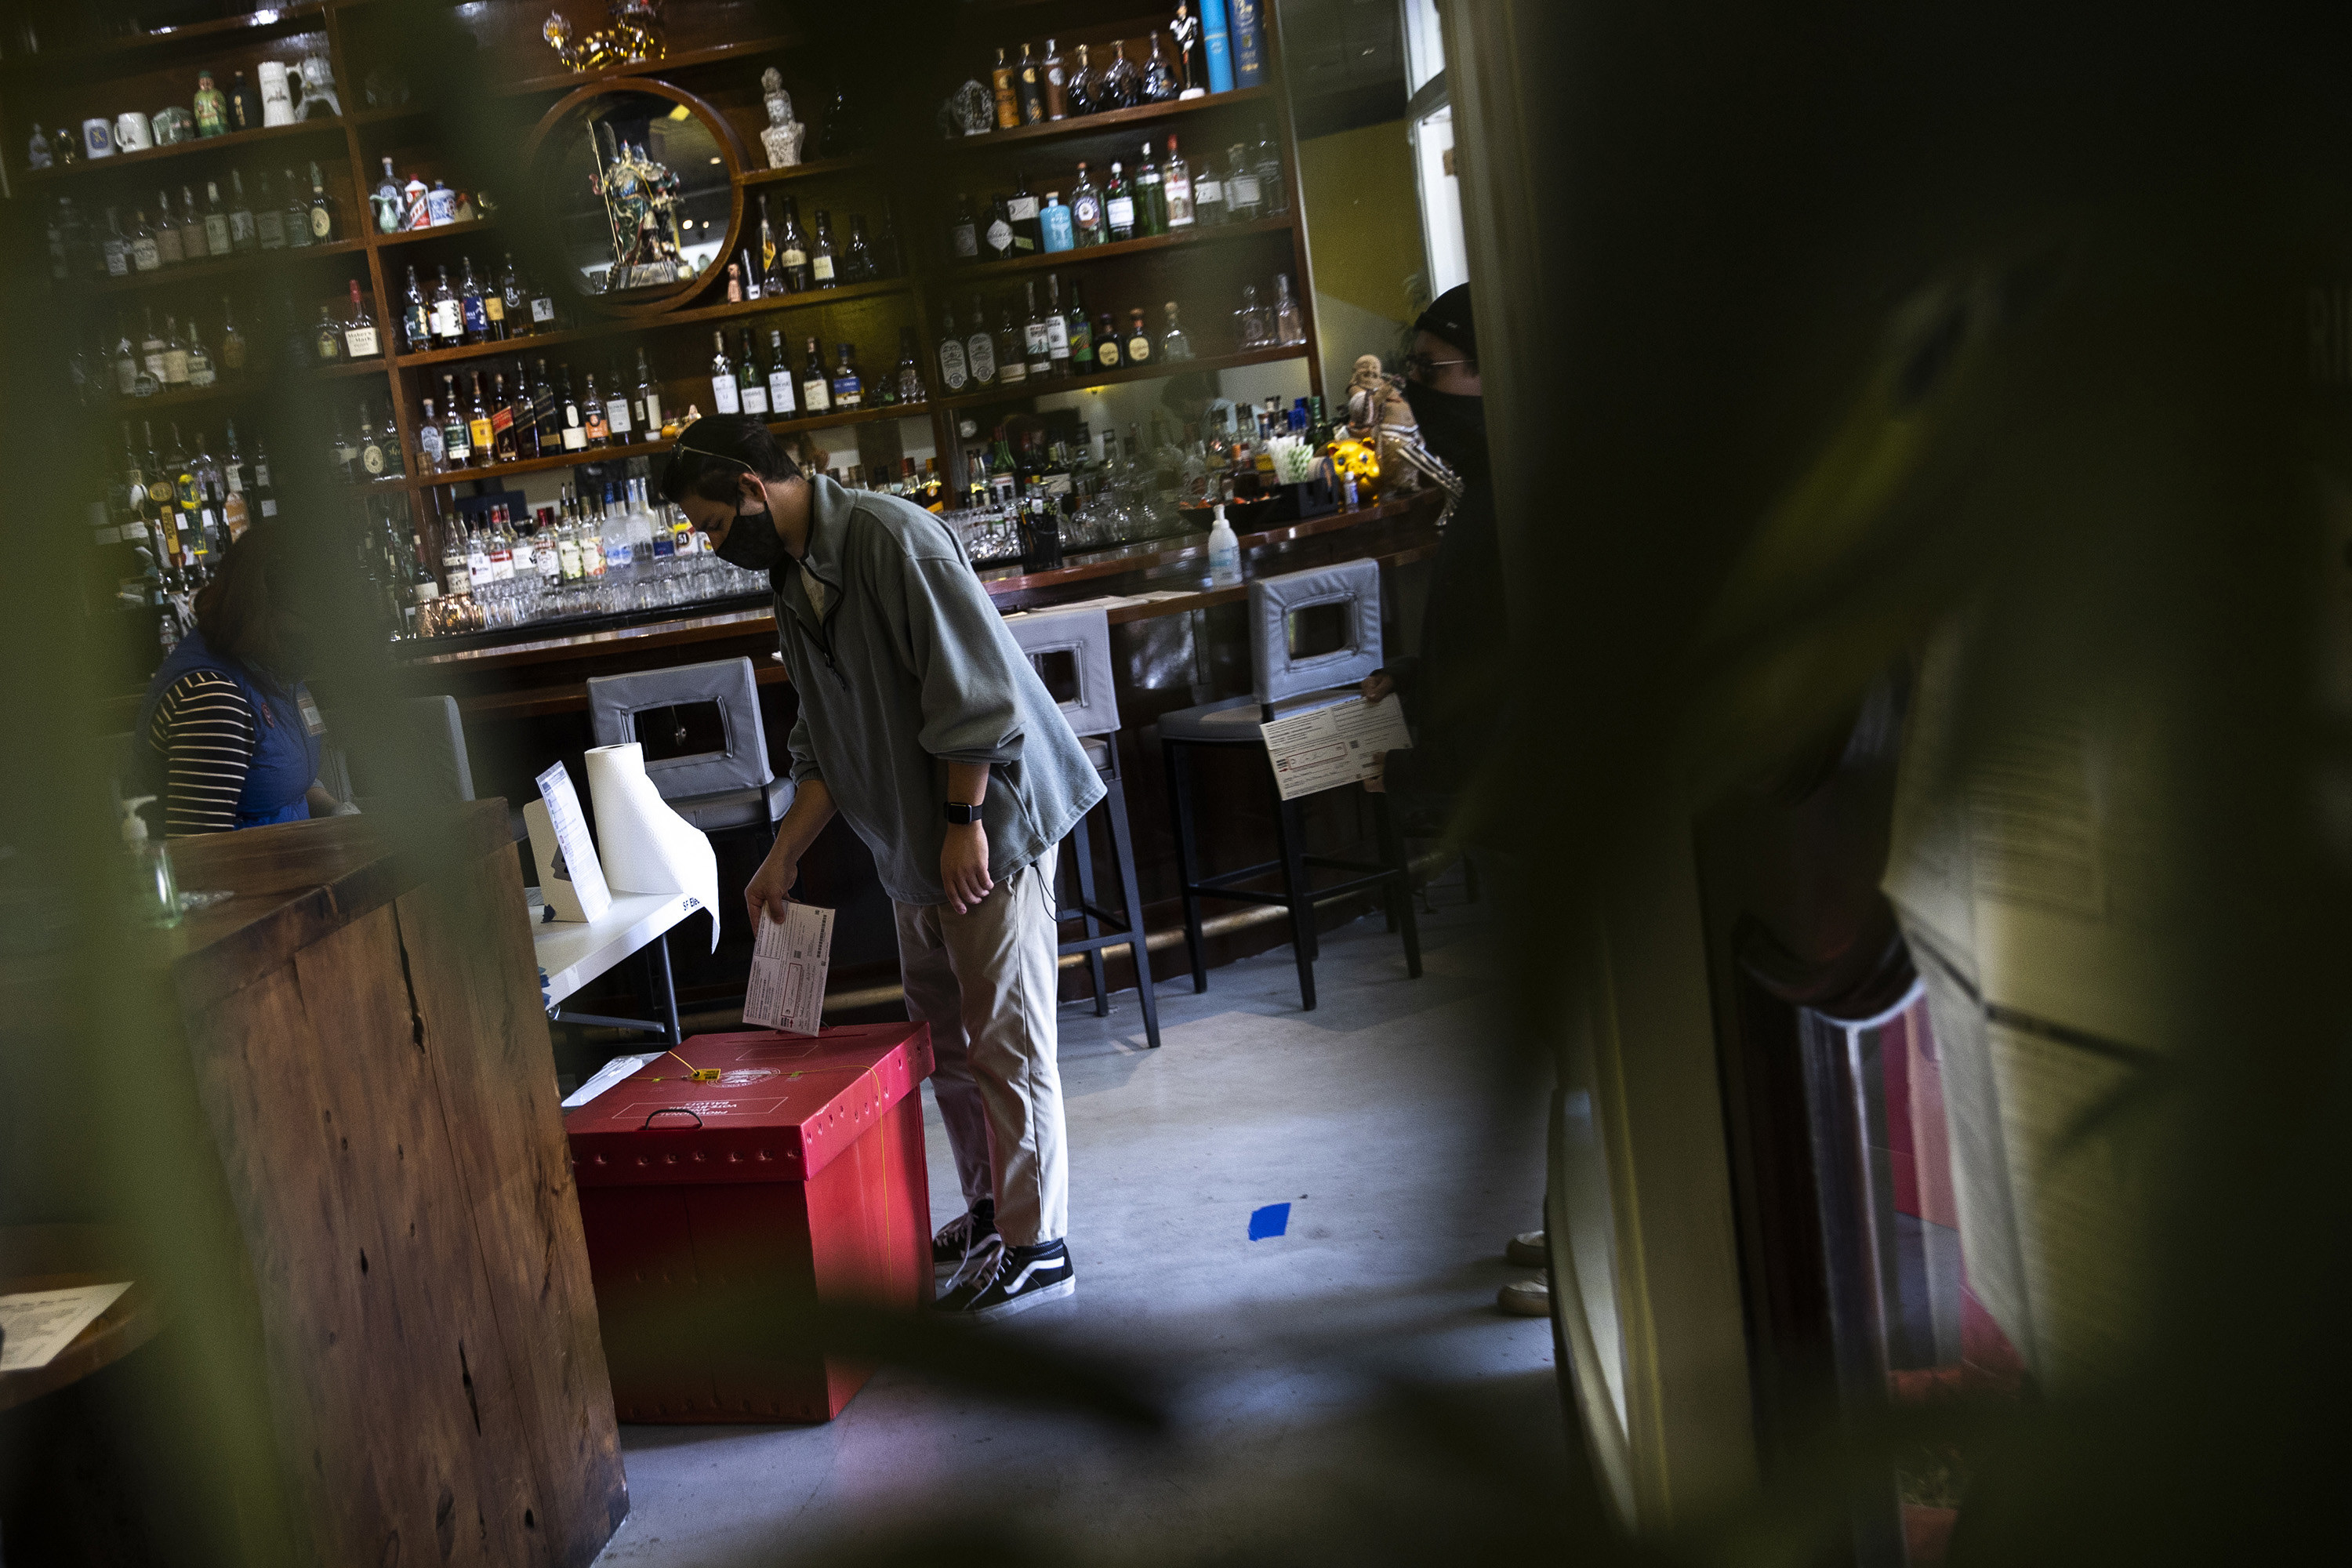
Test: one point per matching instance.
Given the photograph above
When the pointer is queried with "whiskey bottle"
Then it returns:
(910, 375)
(217, 224)
(1106, 351)
(1012, 352)
(428, 442)
(327, 338)
(857, 266)
(296, 215)
(478, 434)
(1208, 193)
(150, 348)
(415, 317)
(395, 465)
(1266, 159)
(964, 232)
(359, 341)
(1121, 86)
(472, 312)
(1244, 195)
(1159, 83)
(445, 315)
(195, 241)
(1037, 355)
(232, 351)
(1174, 344)
(176, 355)
(236, 504)
(546, 413)
(372, 460)
(953, 370)
(523, 418)
(1058, 328)
(344, 452)
(724, 397)
(1176, 189)
(980, 348)
(326, 225)
(751, 380)
(1151, 196)
(170, 240)
(1028, 231)
(511, 319)
(791, 254)
(575, 429)
(504, 441)
(648, 404)
(146, 250)
(542, 307)
(1078, 93)
(1056, 82)
(457, 437)
(782, 402)
(822, 268)
(617, 422)
(598, 432)
(243, 239)
(1077, 333)
(848, 387)
(269, 219)
(1008, 105)
(114, 249)
(999, 237)
(1032, 91)
(201, 372)
(816, 387)
(265, 494)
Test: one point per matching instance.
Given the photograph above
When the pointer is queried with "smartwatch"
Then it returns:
(961, 814)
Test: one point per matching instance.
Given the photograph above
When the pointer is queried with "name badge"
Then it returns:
(312, 720)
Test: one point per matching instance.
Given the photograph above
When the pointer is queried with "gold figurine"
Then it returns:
(633, 37)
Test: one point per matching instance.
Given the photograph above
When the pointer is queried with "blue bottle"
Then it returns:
(1053, 224)
(1216, 43)
(1249, 42)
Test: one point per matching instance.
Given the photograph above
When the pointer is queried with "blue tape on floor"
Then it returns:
(1272, 1220)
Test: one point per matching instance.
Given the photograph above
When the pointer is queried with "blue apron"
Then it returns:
(285, 762)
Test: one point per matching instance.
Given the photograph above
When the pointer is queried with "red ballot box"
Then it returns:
(718, 1212)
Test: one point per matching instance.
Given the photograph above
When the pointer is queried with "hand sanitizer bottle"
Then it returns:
(1224, 553)
(155, 897)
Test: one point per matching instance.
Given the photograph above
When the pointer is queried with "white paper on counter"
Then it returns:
(788, 964)
(608, 1075)
(648, 847)
(40, 1323)
(570, 878)
(1324, 748)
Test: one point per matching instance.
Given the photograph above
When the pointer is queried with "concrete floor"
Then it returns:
(1344, 1381)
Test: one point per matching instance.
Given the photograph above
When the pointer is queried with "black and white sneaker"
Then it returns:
(955, 1238)
(1024, 1276)
(977, 1268)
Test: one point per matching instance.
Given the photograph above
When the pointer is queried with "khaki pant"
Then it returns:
(985, 983)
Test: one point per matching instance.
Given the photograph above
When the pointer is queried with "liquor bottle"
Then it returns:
(478, 434)
(1107, 349)
(327, 339)
(1077, 333)
(200, 363)
(997, 237)
(1151, 196)
(232, 351)
(1078, 93)
(344, 452)
(1266, 159)
(296, 215)
(504, 442)
(980, 348)
(146, 255)
(1012, 352)
(1032, 91)
(126, 363)
(169, 242)
(114, 250)
(391, 208)
(265, 494)
(1121, 86)
(592, 422)
(544, 313)
(910, 375)
(269, 219)
(857, 266)
(751, 380)
(1058, 328)
(472, 312)
(237, 220)
(1208, 192)
(415, 317)
(575, 431)
(1176, 189)
(1008, 104)
(237, 505)
(955, 371)
(842, 130)
(150, 348)
(195, 240)
(889, 259)
(457, 435)
(963, 233)
(216, 225)
(326, 225)
(1028, 238)
(445, 315)
(1087, 217)
(648, 403)
(782, 403)
(512, 315)
(370, 447)
(359, 339)
(1159, 83)
(1289, 326)
(546, 413)
(1119, 206)
(1036, 342)
(617, 422)
(524, 419)
(751, 275)
(1245, 197)
(848, 387)
(1055, 81)
(1174, 344)
(1053, 224)
(816, 387)
(724, 397)
(791, 254)
(823, 270)
(429, 458)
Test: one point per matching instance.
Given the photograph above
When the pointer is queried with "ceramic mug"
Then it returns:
(277, 98)
(98, 138)
(132, 132)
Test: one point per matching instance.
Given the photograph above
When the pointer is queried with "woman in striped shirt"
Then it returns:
(228, 732)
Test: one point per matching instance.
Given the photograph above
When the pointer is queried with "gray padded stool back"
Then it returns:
(616, 701)
(1275, 674)
(1085, 636)
(442, 733)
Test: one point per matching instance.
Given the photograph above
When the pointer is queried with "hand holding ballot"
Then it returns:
(788, 965)
(1324, 748)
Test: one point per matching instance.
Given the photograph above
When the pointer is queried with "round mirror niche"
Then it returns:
(640, 179)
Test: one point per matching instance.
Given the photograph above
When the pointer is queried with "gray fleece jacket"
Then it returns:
(910, 667)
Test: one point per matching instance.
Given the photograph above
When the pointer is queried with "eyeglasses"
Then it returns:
(1418, 366)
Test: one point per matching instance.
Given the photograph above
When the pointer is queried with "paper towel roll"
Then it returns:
(647, 847)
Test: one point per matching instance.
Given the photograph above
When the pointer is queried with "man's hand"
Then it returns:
(770, 888)
(1378, 685)
(1377, 781)
(963, 866)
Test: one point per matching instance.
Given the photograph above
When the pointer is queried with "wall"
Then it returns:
(1364, 241)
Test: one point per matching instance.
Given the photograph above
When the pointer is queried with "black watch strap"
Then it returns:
(961, 814)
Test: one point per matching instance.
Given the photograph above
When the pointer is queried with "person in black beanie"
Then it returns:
(1453, 690)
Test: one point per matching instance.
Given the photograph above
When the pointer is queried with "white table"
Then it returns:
(574, 953)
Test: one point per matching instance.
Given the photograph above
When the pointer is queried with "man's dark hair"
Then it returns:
(710, 457)
(244, 610)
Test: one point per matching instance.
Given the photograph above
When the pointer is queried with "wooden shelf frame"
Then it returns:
(1157, 370)
(648, 449)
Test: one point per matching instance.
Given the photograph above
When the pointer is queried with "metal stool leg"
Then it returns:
(1179, 802)
(658, 954)
(1082, 851)
(1122, 849)
(1400, 863)
(1290, 832)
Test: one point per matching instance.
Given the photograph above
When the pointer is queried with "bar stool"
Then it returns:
(1284, 683)
(1082, 638)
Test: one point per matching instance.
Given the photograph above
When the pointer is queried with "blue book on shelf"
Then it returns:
(1249, 42)
(1217, 42)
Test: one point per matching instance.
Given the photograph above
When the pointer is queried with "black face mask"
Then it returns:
(1453, 426)
(752, 542)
